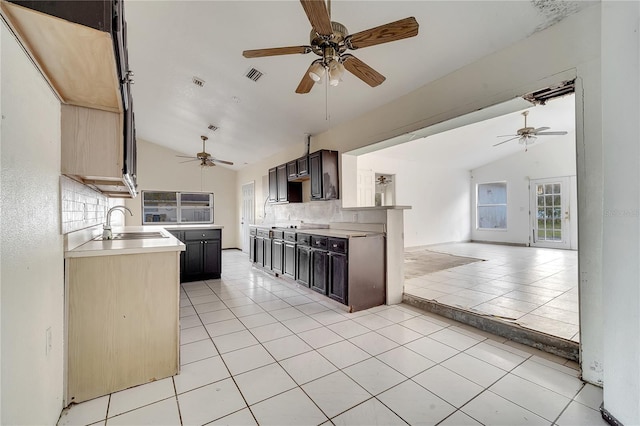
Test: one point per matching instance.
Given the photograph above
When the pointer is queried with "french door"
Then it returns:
(550, 214)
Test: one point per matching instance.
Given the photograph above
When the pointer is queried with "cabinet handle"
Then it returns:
(335, 246)
(201, 242)
(203, 235)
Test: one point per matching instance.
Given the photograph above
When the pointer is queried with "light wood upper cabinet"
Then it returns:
(91, 143)
(77, 60)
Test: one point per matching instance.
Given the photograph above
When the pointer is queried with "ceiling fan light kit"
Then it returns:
(330, 40)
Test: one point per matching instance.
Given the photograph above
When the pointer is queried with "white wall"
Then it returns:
(159, 169)
(32, 292)
(552, 158)
(438, 196)
(621, 242)
(566, 50)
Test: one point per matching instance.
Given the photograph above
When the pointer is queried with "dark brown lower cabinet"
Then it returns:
(202, 258)
(338, 278)
(319, 270)
(303, 265)
(277, 256)
(289, 260)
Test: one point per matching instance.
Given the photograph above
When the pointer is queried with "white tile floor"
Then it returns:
(261, 350)
(534, 287)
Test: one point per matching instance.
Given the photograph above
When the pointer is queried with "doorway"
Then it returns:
(512, 276)
(248, 213)
(550, 213)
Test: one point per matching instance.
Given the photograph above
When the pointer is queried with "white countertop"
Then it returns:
(178, 227)
(338, 233)
(116, 247)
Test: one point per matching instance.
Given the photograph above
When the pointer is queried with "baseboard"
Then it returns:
(545, 342)
(499, 243)
(608, 417)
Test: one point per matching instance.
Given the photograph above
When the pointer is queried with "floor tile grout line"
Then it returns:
(175, 391)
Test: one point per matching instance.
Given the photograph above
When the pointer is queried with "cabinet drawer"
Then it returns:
(290, 236)
(278, 235)
(253, 231)
(264, 233)
(304, 239)
(318, 242)
(337, 245)
(202, 234)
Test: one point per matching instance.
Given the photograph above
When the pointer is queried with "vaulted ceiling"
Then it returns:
(171, 42)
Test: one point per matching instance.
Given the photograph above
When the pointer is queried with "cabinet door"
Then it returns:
(273, 185)
(319, 270)
(260, 251)
(193, 259)
(303, 166)
(252, 249)
(282, 182)
(289, 266)
(338, 285)
(267, 253)
(212, 262)
(303, 265)
(315, 169)
(292, 170)
(277, 256)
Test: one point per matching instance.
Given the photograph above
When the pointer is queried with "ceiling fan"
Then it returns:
(528, 135)
(330, 41)
(204, 157)
(383, 180)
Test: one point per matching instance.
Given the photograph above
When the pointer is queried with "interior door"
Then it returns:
(366, 187)
(550, 213)
(248, 213)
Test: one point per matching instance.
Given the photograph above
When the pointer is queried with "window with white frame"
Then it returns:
(491, 205)
(176, 207)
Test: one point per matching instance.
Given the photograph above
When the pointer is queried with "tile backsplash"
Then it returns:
(81, 206)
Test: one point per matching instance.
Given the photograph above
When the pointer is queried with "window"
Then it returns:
(177, 207)
(492, 205)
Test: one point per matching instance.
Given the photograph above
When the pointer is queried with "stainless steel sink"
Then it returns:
(136, 235)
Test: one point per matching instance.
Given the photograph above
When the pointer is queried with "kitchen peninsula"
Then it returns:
(345, 262)
(122, 311)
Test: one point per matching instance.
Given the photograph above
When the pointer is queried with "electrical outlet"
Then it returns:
(48, 341)
(355, 217)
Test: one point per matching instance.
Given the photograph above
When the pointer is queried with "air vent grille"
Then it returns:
(212, 127)
(198, 81)
(254, 74)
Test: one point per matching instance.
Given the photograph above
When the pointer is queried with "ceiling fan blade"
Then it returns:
(275, 51)
(540, 129)
(363, 71)
(551, 133)
(318, 15)
(221, 161)
(306, 84)
(392, 31)
(505, 136)
(508, 140)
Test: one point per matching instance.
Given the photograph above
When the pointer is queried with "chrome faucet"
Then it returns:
(106, 228)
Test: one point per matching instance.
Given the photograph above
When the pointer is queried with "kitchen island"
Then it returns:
(122, 312)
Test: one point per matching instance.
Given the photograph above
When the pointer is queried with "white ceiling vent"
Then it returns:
(212, 127)
(254, 74)
(198, 81)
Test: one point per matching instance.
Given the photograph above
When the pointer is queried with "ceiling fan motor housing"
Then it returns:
(336, 40)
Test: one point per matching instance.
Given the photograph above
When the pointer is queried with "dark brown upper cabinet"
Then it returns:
(323, 168)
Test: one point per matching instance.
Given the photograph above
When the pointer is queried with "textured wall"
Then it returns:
(32, 292)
